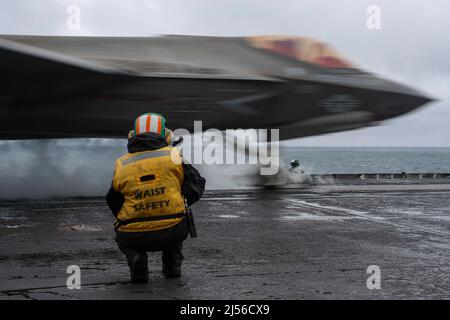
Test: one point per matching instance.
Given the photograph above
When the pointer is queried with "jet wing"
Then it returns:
(32, 74)
(68, 87)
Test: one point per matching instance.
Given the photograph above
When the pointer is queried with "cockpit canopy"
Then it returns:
(302, 48)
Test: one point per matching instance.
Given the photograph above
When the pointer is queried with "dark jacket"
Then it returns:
(193, 183)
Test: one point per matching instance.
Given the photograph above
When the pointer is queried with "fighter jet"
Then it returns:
(72, 87)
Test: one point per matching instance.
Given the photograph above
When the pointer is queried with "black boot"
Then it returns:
(172, 259)
(138, 267)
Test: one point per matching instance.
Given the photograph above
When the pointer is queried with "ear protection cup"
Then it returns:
(168, 136)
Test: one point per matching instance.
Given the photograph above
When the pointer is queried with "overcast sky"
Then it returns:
(412, 45)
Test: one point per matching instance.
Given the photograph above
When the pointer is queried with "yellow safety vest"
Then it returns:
(151, 184)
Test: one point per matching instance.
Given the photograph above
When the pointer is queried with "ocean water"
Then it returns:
(60, 168)
(369, 160)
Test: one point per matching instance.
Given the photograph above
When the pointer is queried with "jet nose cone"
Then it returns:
(396, 99)
(398, 104)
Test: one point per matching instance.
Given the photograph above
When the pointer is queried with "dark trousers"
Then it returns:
(171, 257)
(169, 241)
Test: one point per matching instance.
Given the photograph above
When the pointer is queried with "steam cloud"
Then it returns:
(84, 167)
(57, 168)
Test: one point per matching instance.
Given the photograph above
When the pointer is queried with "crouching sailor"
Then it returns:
(149, 196)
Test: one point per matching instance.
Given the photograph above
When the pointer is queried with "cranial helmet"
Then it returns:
(151, 122)
(295, 163)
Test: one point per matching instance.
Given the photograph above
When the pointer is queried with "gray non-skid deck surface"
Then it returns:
(272, 244)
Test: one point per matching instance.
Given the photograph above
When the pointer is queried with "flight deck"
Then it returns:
(314, 242)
